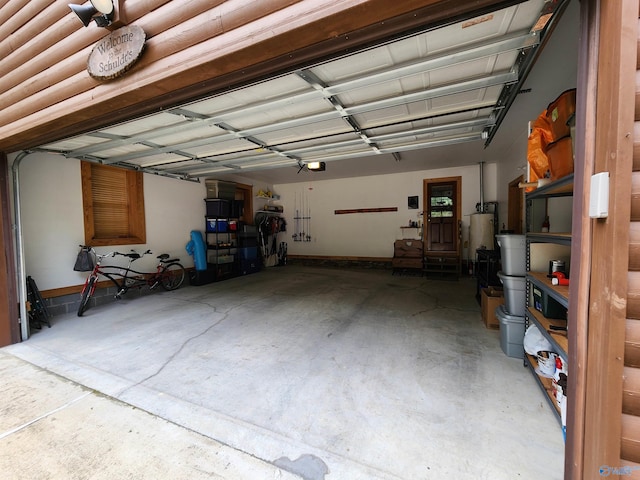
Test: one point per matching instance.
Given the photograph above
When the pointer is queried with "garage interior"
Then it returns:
(330, 372)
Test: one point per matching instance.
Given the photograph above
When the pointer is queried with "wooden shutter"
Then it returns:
(110, 202)
(114, 205)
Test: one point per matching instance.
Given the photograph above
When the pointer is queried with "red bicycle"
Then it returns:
(169, 275)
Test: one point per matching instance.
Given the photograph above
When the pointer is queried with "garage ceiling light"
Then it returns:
(317, 166)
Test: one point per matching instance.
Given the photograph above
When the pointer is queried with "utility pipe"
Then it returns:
(481, 187)
(22, 276)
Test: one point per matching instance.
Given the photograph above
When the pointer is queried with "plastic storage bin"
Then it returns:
(513, 254)
(220, 189)
(217, 207)
(215, 225)
(514, 293)
(249, 253)
(249, 266)
(511, 333)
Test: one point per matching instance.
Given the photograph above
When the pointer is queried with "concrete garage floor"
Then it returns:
(294, 372)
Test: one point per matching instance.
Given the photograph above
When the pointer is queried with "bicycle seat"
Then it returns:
(132, 256)
(163, 257)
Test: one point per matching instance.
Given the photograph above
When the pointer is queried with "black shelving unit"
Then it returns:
(560, 293)
(221, 239)
(487, 266)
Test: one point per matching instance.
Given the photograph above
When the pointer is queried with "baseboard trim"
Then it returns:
(60, 292)
(382, 263)
(340, 258)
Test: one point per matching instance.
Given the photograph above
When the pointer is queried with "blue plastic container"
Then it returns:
(198, 249)
(216, 225)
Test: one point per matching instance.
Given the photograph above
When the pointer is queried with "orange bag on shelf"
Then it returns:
(560, 156)
(559, 112)
(539, 138)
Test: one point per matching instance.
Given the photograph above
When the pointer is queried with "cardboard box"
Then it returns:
(492, 298)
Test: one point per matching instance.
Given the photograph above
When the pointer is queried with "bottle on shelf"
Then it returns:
(545, 224)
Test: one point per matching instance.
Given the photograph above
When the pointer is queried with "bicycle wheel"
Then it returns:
(172, 276)
(86, 295)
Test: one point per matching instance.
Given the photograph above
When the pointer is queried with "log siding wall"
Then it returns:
(630, 435)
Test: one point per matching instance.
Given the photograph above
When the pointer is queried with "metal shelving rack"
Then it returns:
(221, 242)
(561, 187)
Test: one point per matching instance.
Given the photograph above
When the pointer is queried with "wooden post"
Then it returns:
(616, 90)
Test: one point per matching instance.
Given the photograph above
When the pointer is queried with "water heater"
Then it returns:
(481, 232)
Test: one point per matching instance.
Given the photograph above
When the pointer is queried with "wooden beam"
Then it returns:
(9, 325)
(609, 251)
(341, 258)
(366, 210)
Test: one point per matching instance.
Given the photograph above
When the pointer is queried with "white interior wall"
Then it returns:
(52, 215)
(52, 219)
(369, 234)
(555, 71)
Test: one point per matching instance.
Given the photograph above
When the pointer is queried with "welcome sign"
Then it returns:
(112, 56)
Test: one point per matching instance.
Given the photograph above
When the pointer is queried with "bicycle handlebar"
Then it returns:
(133, 256)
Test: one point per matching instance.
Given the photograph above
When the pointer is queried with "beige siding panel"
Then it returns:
(170, 14)
(631, 391)
(634, 246)
(57, 23)
(166, 52)
(630, 445)
(633, 295)
(10, 9)
(637, 116)
(633, 470)
(26, 83)
(635, 196)
(636, 146)
(638, 48)
(632, 343)
(31, 10)
(38, 42)
(68, 55)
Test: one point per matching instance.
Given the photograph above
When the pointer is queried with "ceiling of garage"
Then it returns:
(440, 87)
